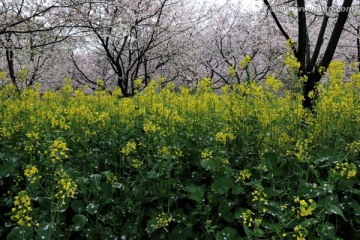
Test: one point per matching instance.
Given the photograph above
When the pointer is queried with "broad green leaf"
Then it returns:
(225, 211)
(45, 230)
(238, 213)
(79, 221)
(195, 193)
(20, 233)
(78, 206)
(7, 169)
(222, 185)
(227, 233)
(332, 209)
(310, 190)
(107, 233)
(328, 157)
(309, 222)
(152, 174)
(209, 164)
(92, 208)
(95, 178)
(247, 231)
(151, 226)
(270, 160)
(326, 230)
(329, 199)
(236, 190)
(181, 232)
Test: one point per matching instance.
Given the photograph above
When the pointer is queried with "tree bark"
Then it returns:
(358, 45)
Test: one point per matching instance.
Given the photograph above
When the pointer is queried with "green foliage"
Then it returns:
(250, 163)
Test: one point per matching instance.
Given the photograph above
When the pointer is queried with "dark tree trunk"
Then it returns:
(358, 46)
(10, 62)
(310, 85)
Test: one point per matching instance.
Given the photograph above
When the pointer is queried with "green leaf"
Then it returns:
(79, 221)
(107, 233)
(310, 190)
(225, 211)
(78, 206)
(309, 222)
(195, 193)
(328, 157)
(236, 190)
(271, 226)
(329, 199)
(326, 230)
(92, 208)
(45, 230)
(152, 174)
(45, 206)
(181, 232)
(209, 164)
(151, 226)
(273, 164)
(7, 169)
(222, 185)
(227, 233)
(332, 209)
(20, 233)
(247, 231)
(95, 178)
(238, 213)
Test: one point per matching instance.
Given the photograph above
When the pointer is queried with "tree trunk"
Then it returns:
(358, 46)
(310, 85)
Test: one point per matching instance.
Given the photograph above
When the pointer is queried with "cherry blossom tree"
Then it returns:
(137, 39)
(229, 41)
(309, 58)
(30, 38)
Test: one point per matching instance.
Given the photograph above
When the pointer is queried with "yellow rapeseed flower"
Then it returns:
(245, 62)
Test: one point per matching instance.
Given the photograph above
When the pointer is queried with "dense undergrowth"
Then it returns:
(246, 163)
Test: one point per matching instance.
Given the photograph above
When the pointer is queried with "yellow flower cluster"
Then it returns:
(32, 135)
(258, 195)
(136, 163)
(231, 70)
(164, 151)
(249, 220)
(345, 169)
(31, 173)
(244, 175)
(354, 146)
(291, 62)
(22, 209)
(245, 62)
(137, 84)
(59, 123)
(129, 148)
(223, 137)
(205, 83)
(58, 150)
(301, 150)
(66, 187)
(300, 232)
(290, 43)
(305, 208)
(31, 145)
(206, 154)
(273, 84)
(110, 177)
(163, 220)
